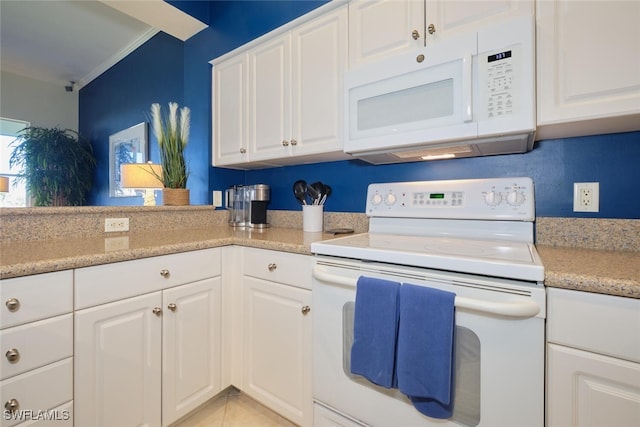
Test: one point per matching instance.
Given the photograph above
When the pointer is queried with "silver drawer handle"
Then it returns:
(12, 304)
(12, 405)
(157, 311)
(165, 273)
(172, 307)
(272, 266)
(13, 355)
(305, 310)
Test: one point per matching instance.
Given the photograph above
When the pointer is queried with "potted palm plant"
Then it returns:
(56, 164)
(172, 133)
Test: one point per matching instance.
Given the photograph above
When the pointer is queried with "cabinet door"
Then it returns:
(191, 347)
(277, 348)
(380, 28)
(445, 18)
(588, 66)
(587, 389)
(319, 55)
(270, 99)
(117, 363)
(230, 107)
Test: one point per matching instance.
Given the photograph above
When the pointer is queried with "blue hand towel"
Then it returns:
(375, 329)
(424, 361)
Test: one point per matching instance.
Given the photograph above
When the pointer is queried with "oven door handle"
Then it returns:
(516, 309)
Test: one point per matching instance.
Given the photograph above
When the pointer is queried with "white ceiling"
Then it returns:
(68, 40)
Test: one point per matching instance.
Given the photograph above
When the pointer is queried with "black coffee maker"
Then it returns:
(259, 197)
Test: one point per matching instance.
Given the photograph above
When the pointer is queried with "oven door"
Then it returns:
(499, 347)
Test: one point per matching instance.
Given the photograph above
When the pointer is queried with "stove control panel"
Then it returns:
(493, 198)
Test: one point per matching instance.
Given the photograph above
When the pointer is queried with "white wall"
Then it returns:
(39, 103)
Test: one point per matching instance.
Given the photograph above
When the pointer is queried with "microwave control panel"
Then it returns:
(500, 76)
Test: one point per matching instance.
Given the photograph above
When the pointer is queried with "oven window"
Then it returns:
(466, 409)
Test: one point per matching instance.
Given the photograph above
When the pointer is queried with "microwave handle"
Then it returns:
(467, 114)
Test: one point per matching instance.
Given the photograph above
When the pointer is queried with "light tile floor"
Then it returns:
(234, 409)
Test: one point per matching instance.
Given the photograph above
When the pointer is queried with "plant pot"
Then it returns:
(175, 197)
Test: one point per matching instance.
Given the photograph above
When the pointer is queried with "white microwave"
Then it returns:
(470, 95)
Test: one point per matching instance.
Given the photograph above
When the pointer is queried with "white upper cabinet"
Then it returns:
(230, 110)
(588, 67)
(382, 28)
(280, 101)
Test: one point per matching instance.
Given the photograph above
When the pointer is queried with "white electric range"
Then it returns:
(470, 237)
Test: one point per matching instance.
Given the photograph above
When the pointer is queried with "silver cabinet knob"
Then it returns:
(272, 266)
(13, 355)
(12, 405)
(420, 58)
(285, 143)
(415, 34)
(172, 307)
(294, 142)
(157, 311)
(165, 273)
(12, 304)
(243, 150)
(431, 28)
(305, 310)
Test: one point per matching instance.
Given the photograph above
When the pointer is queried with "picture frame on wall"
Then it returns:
(127, 146)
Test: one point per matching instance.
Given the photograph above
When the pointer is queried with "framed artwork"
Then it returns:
(126, 146)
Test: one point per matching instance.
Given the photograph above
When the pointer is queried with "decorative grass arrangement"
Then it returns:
(172, 133)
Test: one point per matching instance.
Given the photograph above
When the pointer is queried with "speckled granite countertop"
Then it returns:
(600, 271)
(39, 240)
(34, 257)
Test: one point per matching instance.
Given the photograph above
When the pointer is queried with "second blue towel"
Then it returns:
(424, 362)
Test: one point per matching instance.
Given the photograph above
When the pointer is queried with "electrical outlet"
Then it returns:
(112, 225)
(217, 199)
(586, 197)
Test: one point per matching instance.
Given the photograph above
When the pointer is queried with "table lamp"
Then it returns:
(142, 176)
(4, 184)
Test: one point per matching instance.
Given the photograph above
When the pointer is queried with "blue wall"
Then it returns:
(165, 69)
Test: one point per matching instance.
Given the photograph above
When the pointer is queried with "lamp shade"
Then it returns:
(4, 184)
(140, 175)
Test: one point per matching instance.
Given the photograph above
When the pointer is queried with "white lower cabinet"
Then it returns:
(118, 363)
(36, 350)
(150, 359)
(276, 332)
(593, 360)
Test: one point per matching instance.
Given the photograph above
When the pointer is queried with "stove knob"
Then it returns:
(376, 199)
(492, 198)
(390, 199)
(515, 198)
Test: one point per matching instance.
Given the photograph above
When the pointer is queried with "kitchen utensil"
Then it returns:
(300, 191)
(327, 192)
(315, 192)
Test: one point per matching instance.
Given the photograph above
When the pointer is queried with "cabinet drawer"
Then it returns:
(35, 297)
(110, 282)
(287, 268)
(36, 344)
(39, 390)
(603, 324)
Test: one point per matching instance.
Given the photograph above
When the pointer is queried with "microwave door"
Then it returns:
(402, 102)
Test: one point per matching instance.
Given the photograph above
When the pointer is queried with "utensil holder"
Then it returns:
(312, 218)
